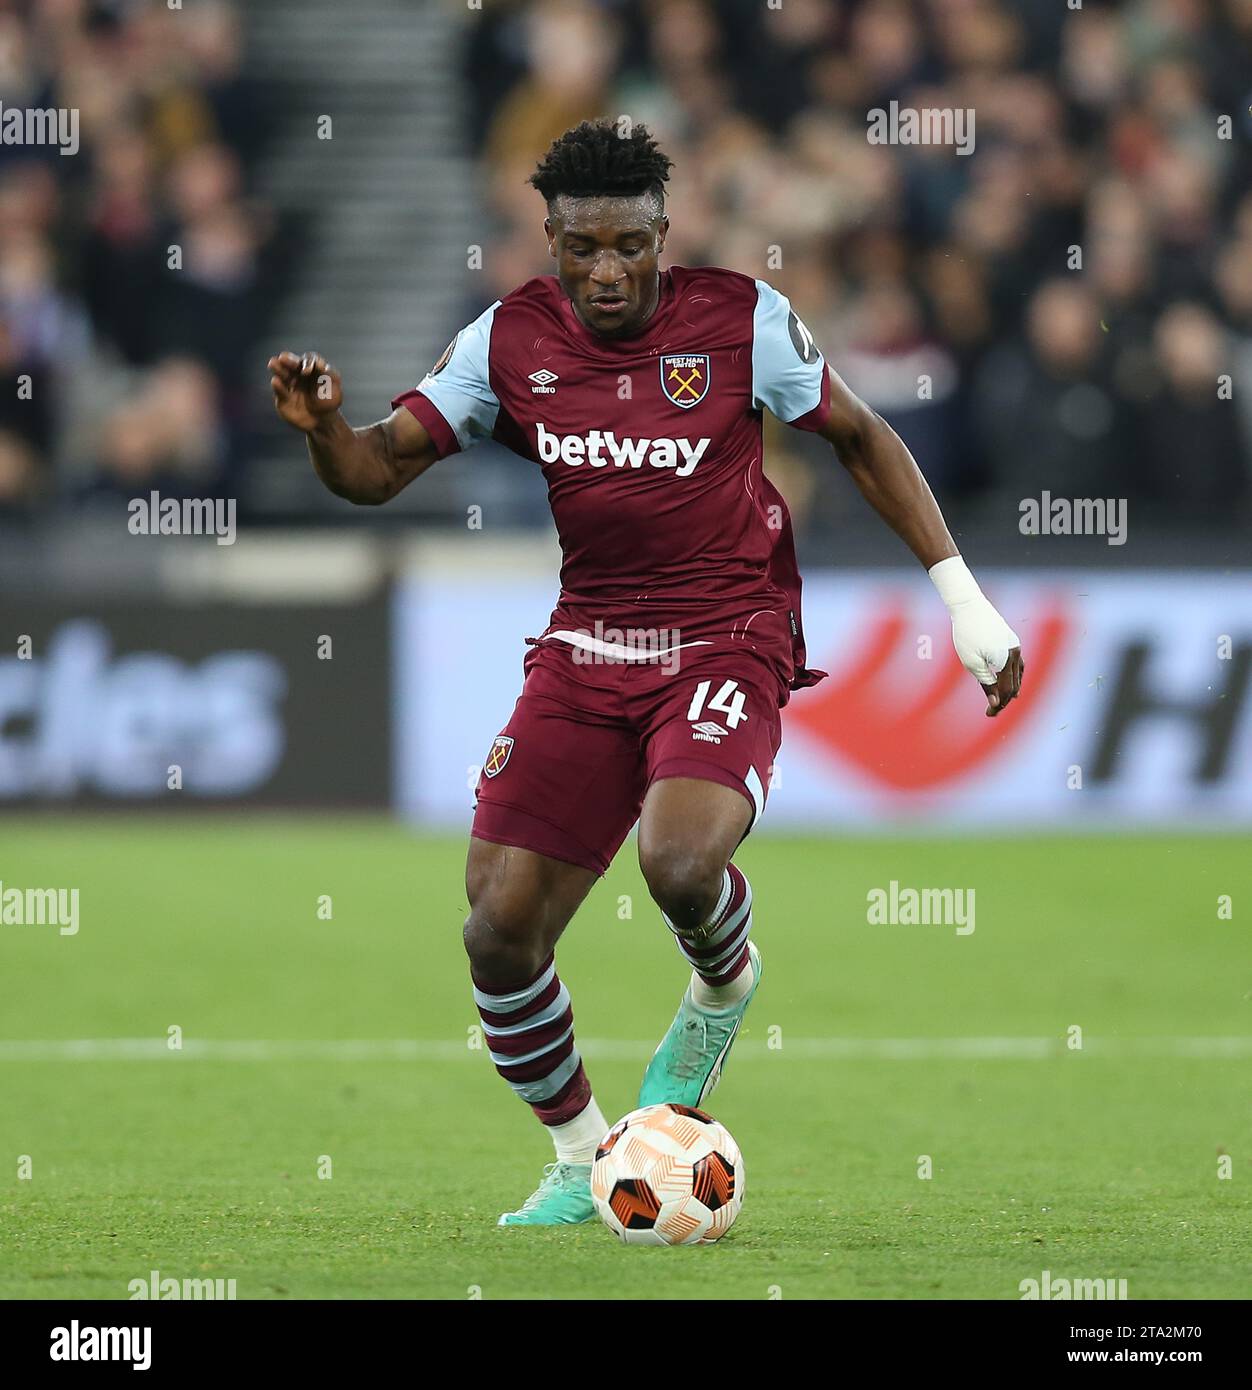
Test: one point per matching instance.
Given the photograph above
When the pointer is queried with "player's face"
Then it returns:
(606, 251)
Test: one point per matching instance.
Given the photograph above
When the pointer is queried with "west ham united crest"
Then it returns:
(498, 756)
(685, 377)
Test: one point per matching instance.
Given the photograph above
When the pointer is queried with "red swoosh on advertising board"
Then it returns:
(921, 733)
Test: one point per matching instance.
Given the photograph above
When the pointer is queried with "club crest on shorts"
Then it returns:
(498, 756)
(685, 377)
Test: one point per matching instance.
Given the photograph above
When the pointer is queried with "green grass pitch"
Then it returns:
(204, 1163)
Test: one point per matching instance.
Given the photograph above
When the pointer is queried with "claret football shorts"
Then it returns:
(567, 775)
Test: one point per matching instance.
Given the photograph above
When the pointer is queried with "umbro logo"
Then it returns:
(708, 732)
(542, 382)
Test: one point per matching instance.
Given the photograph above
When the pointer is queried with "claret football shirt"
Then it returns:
(651, 448)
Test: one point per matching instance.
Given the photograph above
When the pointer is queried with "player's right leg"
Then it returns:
(520, 903)
(560, 790)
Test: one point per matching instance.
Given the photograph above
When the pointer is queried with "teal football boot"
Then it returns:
(688, 1064)
(563, 1198)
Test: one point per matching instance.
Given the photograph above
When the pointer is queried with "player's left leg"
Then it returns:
(688, 830)
(707, 785)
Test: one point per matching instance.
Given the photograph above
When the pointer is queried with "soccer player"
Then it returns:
(654, 694)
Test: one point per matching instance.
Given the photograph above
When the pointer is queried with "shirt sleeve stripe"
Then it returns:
(788, 373)
(815, 419)
(427, 414)
(459, 390)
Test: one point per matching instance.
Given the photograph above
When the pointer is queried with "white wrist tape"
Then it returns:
(954, 581)
(980, 635)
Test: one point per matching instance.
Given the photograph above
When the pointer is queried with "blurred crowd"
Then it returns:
(1069, 308)
(134, 272)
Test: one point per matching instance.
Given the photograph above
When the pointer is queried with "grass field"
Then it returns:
(892, 1042)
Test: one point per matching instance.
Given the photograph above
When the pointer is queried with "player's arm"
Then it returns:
(891, 482)
(367, 466)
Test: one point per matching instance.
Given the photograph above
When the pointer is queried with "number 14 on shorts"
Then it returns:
(729, 701)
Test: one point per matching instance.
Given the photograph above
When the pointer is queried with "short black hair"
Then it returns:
(598, 159)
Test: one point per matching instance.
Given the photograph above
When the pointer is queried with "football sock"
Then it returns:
(715, 997)
(529, 1031)
(717, 950)
(576, 1139)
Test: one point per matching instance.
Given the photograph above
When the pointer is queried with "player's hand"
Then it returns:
(1008, 684)
(989, 650)
(307, 390)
